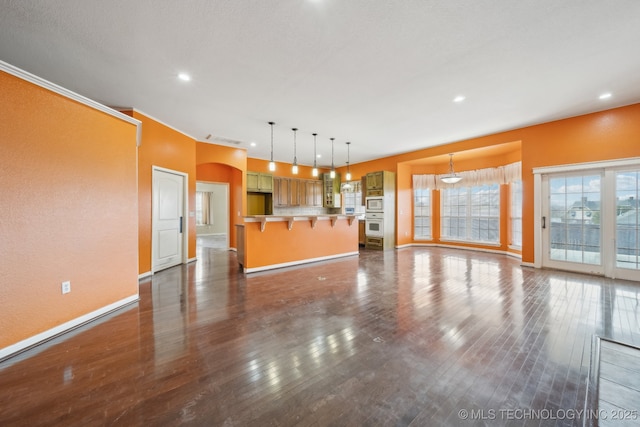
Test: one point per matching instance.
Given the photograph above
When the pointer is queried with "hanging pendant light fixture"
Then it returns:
(294, 168)
(272, 164)
(348, 177)
(314, 171)
(452, 177)
(332, 174)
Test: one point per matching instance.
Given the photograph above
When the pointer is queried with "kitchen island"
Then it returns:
(266, 242)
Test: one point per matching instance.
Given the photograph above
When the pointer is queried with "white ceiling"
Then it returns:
(379, 73)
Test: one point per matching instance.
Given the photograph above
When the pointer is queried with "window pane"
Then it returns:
(471, 214)
(422, 213)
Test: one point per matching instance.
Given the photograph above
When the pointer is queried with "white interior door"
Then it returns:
(168, 219)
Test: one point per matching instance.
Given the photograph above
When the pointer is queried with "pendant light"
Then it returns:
(272, 164)
(332, 174)
(452, 177)
(294, 168)
(314, 171)
(348, 177)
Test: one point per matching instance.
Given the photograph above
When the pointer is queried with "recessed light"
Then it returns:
(605, 95)
(459, 98)
(253, 144)
(318, 155)
(184, 77)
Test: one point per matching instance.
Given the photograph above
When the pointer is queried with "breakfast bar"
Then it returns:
(266, 242)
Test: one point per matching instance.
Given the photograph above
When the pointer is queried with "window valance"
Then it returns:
(500, 175)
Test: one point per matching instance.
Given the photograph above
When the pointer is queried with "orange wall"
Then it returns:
(606, 135)
(68, 209)
(167, 148)
(283, 169)
(277, 244)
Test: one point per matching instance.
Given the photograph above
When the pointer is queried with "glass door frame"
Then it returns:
(608, 168)
(547, 260)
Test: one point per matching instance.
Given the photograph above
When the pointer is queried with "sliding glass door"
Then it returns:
(572, 226)
(591, 221)
(627, 224)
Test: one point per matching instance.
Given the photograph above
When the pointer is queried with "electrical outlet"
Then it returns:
(66, 287)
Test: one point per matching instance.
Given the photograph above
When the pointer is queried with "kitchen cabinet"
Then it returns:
(363, 189)
(259, 182)
(297, 192)
(375, 183)
(313, 193)
(280, 192)
(331, 191)
(382, 185)
(294, 192)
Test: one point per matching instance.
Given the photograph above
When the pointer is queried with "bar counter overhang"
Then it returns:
(266, 242)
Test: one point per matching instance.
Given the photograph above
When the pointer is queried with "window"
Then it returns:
(471, 214)
(198, 207)
(516, 214)
(352, 197)
(422, 214)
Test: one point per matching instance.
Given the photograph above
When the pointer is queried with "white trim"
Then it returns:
(468, 248)
(630, 161)
(537, 220)
(528, 264)
(471, 242)
(513, 255)
(39, 81)
(145, 275)
(304, 261)
(161, 122)
(65, 327)
(190, 260)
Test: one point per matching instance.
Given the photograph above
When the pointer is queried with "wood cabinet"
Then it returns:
(280, 192)
(363, 190)
(294, 192)
(297, 192)
(375, 183)
(313, 193)
(259, 182)
(382, 184)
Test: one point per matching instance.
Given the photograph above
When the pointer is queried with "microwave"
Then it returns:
(374, 204)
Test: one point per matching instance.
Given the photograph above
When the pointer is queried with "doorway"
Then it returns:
(589, 219)
(212, 215)
(169, 228)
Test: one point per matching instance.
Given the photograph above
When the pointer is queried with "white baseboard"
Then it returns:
(305, 261)
(467, 248)
(190, 260)
(145, 275)
(65, 327)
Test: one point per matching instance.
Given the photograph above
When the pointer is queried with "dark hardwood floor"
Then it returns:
(417, 336)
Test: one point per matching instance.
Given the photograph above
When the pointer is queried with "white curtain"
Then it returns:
(500, 175)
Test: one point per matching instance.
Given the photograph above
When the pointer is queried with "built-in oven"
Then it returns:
(374, 204)
(374, 224)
